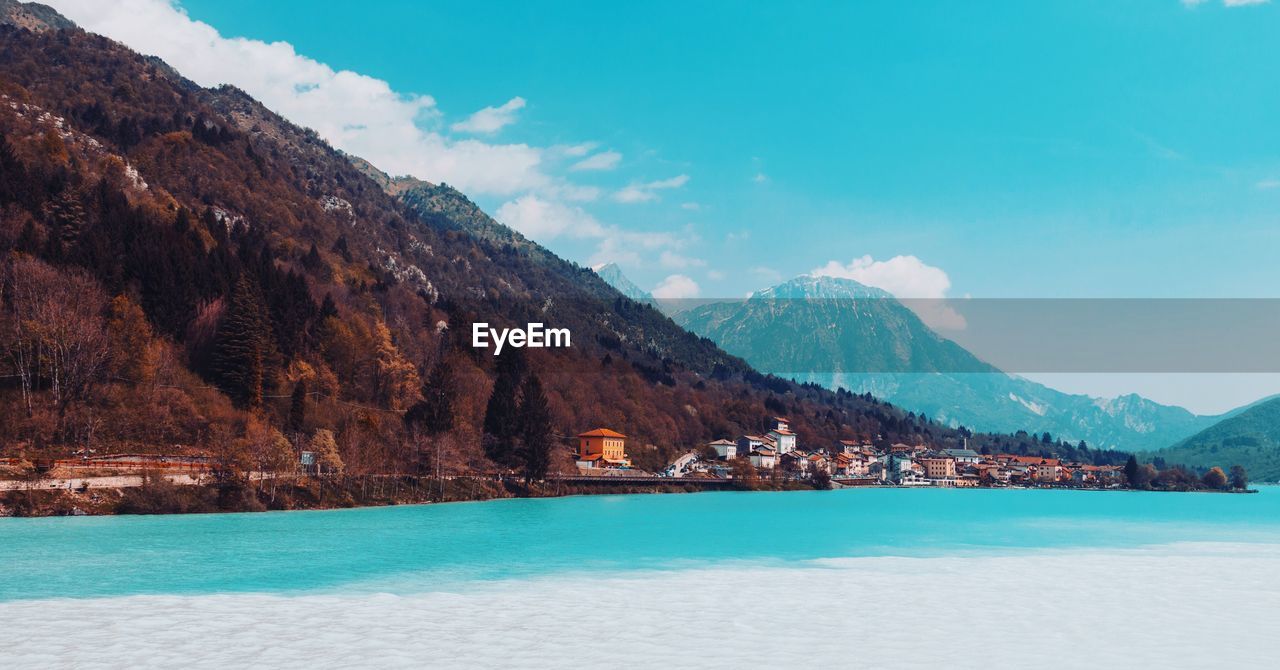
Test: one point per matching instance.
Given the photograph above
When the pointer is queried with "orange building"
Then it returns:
(603, 447)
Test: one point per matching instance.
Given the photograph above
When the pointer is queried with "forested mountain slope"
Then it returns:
(1250, 438)
(242, 288)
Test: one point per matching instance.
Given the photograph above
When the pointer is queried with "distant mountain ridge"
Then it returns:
(841, 333)
(611, 273)
(1250, 438)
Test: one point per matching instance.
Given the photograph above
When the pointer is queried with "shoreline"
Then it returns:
(310, 494)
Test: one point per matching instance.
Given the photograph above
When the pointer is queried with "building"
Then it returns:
(853, 465)
(603, 448)
(939, 467)
(964, 456)
(894, 465)
(764, 457)
(793, 461)
(784, 438)
(726, 449)
(1048, 470)
(847, 447)
(749, 443)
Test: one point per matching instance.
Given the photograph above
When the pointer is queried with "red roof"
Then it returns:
(601, 432)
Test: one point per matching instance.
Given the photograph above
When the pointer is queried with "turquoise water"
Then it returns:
(415, 549)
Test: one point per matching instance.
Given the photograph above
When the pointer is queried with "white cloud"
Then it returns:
(399, 133)
(575, 150)
(671, 259)
(1268, 184)
(646, 191)
(675, 287)
(691, 206)
(923, 287)
(491, 119)
(625, 247)
(544, 220)
(356, 113)
(903, 276)
(760, 178)
(605, 160)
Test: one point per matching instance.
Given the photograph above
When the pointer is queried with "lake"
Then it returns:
(880, 577)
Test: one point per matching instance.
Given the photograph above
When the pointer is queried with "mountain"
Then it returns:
(1251, 438)
(612, 274)
(183, 270)
(840, 333)
(32, 16)
(818, 328)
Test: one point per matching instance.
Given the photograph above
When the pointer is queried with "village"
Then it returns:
(777, 454)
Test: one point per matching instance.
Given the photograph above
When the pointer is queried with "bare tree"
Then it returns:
(54, 335)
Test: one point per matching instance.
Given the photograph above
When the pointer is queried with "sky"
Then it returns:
(1081, 148)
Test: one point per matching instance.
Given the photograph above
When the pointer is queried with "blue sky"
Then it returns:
(1026, 148)
(1082, 148)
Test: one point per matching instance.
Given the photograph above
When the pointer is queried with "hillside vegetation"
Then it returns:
(1251, 439)
(186, 272)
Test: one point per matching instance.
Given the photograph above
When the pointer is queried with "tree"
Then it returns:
(535, 430)
(1239, 477)
(820, 479)
(1131, 471)
(298, 407)
(745, 476)
(1147, 474)
(133, 358)
(501, 425)
(312, 261)
(1215, 478)
(325, 448)
(244, 355)
(434, 413)
(395, 378)
(54, 333)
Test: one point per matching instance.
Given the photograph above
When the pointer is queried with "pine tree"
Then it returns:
(434, 413)
(340, 247)
(501, 424)
(1131, 470)
(535, 430)
(312, 260)
(298, 407)
(244, 354)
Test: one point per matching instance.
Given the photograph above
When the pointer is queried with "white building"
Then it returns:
(785, 439)
(764, 457)
(964, 456)
(725, 449)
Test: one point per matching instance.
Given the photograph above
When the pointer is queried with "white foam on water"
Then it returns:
(1182, 605)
